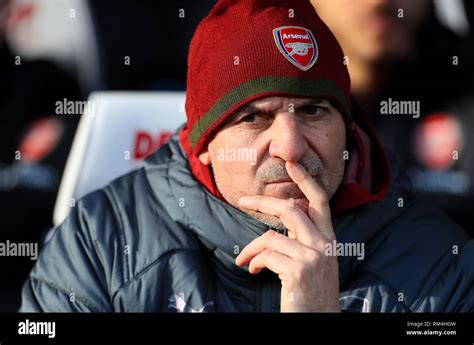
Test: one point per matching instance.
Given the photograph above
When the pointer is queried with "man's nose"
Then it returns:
(287, 139)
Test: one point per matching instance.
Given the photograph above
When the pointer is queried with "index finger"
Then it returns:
(319, 211)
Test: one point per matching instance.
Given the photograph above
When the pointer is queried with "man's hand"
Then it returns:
(309, 278)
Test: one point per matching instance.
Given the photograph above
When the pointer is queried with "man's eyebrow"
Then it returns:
(315, 101)
(312, 101)
(250, 108)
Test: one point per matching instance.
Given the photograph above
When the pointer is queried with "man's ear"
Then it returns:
(204, 157)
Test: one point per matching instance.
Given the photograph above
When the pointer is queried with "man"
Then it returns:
(413, 76)
(273, 166)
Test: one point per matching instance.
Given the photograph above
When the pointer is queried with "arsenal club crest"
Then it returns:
(298, 45)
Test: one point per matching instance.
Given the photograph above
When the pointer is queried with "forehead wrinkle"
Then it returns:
(296, 101)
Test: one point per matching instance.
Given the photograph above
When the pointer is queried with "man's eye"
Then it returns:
(249, 118)
(313, 110)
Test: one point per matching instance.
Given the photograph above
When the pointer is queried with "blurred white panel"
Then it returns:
(116, 132)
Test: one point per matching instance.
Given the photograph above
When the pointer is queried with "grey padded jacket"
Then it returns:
(155, 240)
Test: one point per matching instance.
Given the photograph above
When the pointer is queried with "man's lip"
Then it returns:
(285, 180)
(282, 181)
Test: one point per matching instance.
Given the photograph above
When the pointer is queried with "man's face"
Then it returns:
(249, 152)
(373, 29)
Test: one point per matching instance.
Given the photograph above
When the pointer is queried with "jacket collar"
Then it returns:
(221, 227)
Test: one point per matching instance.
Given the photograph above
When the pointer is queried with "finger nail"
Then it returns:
(294, 166)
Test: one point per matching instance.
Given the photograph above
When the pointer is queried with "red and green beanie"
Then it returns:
(249, 49)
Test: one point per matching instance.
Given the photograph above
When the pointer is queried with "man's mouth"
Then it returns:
(282, 181)
(284, 189)
(285, 180)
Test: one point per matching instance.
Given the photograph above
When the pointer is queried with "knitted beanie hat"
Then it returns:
(249, 49)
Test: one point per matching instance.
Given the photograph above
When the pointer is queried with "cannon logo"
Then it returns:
(298, 45)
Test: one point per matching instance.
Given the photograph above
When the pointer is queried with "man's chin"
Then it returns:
(275, 222)
(272, 221)
(289, 192)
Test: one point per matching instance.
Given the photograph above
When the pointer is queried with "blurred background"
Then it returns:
(64, 50)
